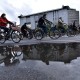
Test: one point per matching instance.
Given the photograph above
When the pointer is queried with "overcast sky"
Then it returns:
(14, 8)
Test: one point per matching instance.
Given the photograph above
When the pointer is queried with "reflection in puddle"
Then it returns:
(10, 55)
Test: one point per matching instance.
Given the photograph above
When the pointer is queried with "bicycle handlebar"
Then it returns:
(12, 25)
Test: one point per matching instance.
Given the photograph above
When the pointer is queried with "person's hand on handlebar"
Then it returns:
(64, 23)
(49, 22)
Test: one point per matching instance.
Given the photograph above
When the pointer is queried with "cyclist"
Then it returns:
(42, 23)
(3, 22)
(60, 24)
(24, 29)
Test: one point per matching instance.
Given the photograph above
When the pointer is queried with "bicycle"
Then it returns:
(13, 34)
(75, 29)
(51, 32)
(28, 32)
(65, 30)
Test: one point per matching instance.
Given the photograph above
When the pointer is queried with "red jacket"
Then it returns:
(3, 22)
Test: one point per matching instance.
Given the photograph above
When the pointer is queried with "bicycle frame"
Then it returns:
(13, 34)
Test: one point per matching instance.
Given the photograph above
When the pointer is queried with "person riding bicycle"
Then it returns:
(42, 23)
(3, 22)
(60, 24)
(24, 29)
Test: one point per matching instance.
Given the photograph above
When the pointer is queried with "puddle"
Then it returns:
(45, 52)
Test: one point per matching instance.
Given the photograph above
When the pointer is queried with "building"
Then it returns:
(68, 15)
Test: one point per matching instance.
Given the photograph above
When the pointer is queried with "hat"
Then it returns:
(2, 15)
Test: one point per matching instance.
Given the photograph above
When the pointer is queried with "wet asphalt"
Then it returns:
(18, 72)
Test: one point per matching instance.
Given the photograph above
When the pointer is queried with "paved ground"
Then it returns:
(63, 39)
(37, 70)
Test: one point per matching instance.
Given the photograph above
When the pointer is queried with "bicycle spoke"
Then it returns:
(15, 36)
(2, 38)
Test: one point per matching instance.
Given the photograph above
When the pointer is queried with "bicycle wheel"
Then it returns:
(2, 37)
(54, 34)
(38, 34)
(17, 54)
(21, 36)
(70, 33)
(15, 36)
(30, 35)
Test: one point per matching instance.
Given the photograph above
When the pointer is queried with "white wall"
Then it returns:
(52, 16)
(32, 19)
(49, 16)
(55, 15)
(64, 15)
(28, 20)
(60, 13)
(36, 18)
(22, 21)
(73, 16)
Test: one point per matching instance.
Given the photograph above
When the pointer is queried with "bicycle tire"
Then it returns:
(2, 37)
(15, 36)
(30, 35)
(21, 36)
(70, 33)
(38, 35)
(54, 34)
